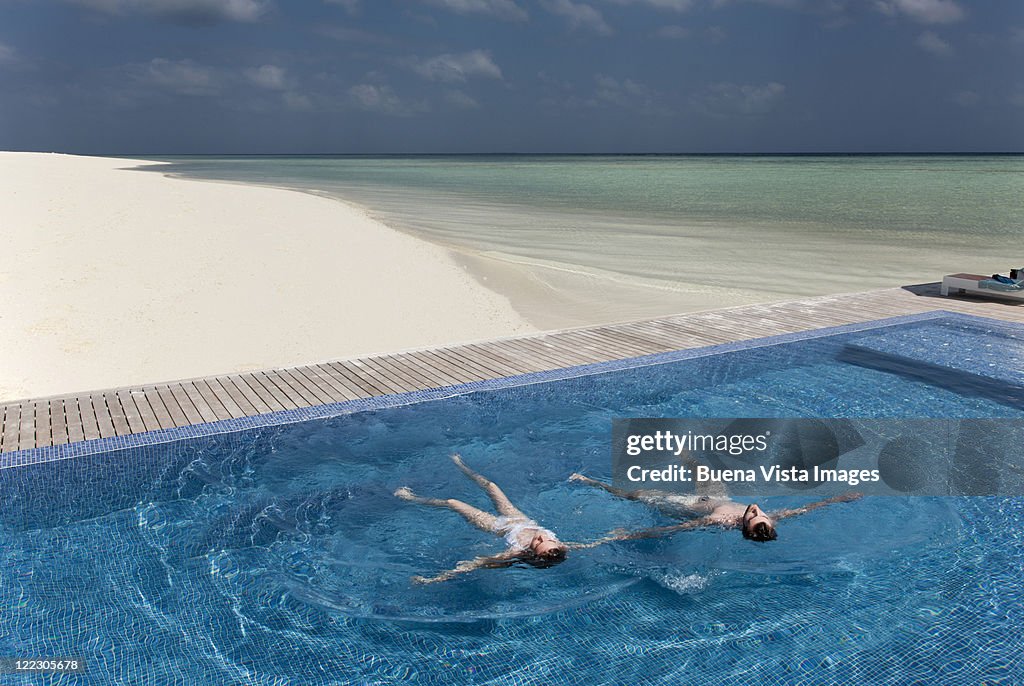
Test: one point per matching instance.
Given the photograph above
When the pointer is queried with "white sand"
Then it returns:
(111, 277)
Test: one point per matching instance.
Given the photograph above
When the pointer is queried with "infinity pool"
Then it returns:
(279, 555)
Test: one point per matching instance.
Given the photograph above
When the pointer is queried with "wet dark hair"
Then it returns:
(548, 559)
(760, 532)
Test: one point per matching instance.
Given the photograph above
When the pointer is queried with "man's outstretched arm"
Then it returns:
(794, 512)
(655, 532)
(490, 562)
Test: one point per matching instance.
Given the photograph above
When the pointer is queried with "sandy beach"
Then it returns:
(114, 276)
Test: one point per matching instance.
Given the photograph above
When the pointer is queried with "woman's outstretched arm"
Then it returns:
(797, 511)
(655, 532)
(489, 562)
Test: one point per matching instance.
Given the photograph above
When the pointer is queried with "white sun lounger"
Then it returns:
(969, 284)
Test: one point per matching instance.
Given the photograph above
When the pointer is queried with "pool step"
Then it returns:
(975, 361)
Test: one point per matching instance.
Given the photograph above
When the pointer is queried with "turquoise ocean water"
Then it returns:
(587, 239)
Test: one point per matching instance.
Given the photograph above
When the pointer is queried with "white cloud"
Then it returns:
(673, 31)
(297, 102)
(966, 98)
(351, 6)
(626, 93)
(502, 9)
(739, 99)
(268, 76)
(183, 77)
(924, 11)
(1017, 97)
(673, 5)
(7, 54)
(458, 68)
(579, 15)
(348, 35)
(929, 41)
(187, 12)
(461, 100)
(716, 34)
(382, 99)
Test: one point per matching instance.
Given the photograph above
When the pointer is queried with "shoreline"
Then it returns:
(563, 262)
(116, 279)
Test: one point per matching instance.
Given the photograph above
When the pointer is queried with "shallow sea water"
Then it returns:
(589, 239)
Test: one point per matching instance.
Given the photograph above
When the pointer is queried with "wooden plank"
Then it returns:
(160, 410)
(494, 369)
(188, 407)
(598, 348)
(301, 385)
(459, 364)
(201, 403)
(212, 401)
(459, 373)
(365, 377)
(145, 410)
(510, 365)
(325, 392)
(282, 390)
(565, 354)
(172, 406)
(253, 404)
(439, 372)
(130, 412)
(42, 423)
(355, 381)
(619, 338)
(90, 428)
(58, 422)
(12, 424)
(397, 377)
(27, 426)
(541, 360)
(417, 378)
(346, 389)
(73, 414)
(428, 376)
(384, 378)
(104, 420)
(553, 358)
(229, 401)
(271, 396)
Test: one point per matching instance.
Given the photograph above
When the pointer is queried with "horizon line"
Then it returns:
(571, 154)
(895, 153)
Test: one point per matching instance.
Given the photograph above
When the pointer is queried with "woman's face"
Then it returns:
(544, 546)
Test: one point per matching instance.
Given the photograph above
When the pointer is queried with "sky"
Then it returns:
(587, 76)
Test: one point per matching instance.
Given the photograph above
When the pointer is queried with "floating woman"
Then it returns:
(527, 541)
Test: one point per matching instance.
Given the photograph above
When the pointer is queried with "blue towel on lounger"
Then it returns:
(1012, 287)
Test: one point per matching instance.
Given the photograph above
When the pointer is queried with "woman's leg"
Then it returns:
(501, 501)
(628, 495)
(484, 521)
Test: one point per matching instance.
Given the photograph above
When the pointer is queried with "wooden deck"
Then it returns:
(118, 412)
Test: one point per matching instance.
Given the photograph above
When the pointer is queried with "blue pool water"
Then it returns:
(278, 555)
